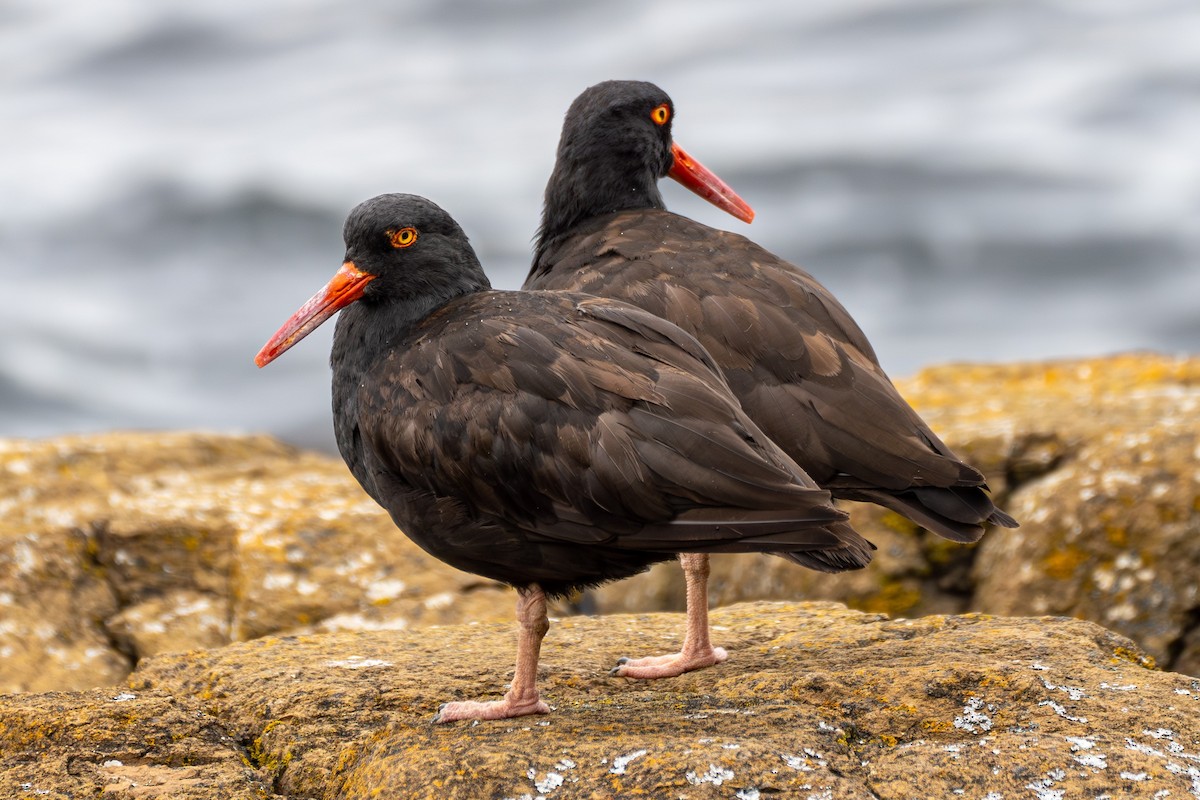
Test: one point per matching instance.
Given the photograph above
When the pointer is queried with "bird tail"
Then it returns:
(853, 552)
(958, 513)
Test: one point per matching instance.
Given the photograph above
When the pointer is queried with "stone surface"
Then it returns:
(1112, 533)
(118, 546)
(1097, 458)
(121, 745)
(815, 701)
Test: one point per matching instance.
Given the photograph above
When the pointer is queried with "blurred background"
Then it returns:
(975, 180)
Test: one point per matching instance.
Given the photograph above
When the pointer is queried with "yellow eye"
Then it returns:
(661, 114)
(403, 237)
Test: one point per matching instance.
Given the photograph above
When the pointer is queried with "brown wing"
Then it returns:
(583, 421)
(801, 367)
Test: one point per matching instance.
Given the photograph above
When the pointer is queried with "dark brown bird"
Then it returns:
(548, 440)
(801, 367)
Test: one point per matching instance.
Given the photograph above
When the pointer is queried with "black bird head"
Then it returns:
(399, 247)
(616, 143)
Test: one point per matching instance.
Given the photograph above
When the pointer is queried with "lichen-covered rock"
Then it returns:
(815, 701)
(1097, 458)
(118, 546)
(122, 745)
(52, 614)
(1112, 532)
(181, 619)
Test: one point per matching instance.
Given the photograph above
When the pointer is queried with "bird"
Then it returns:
(548, 440)
(797, 361)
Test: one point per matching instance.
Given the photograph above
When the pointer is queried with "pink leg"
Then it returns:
(697, 652)
(522, 696)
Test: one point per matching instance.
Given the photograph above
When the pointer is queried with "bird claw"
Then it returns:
(668, 666)
(622, 661)
(505, 708)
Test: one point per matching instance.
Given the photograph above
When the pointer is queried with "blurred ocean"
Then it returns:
(975, 180)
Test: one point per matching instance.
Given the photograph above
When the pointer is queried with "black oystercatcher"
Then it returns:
(797, 361)
(548, 440)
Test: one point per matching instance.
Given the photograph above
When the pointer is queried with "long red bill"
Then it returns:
(696, 177)
(343, 288)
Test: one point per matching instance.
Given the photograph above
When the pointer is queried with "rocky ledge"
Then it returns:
(331, 638)
(119, 546)
(816, 701)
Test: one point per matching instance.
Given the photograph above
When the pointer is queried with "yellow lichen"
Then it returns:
(264, 759)
(1134, 657)
(1116, 535)
(893, 598)
(1063, 564)
(998, 681)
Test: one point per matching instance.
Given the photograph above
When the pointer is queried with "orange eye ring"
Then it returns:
(661, 114)
(403, 237)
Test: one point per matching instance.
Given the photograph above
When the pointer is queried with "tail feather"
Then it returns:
(724, 530)
(831, 547)
(960, 504)
(955, 513)
(1002, 519)
(855, 552)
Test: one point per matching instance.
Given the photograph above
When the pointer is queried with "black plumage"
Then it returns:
(548, 440)
(800, 365)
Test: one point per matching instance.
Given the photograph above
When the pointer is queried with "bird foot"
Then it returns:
(668, 666)
(505, 708)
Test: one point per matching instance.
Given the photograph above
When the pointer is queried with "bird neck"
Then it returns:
(374, 326)
(582, 188)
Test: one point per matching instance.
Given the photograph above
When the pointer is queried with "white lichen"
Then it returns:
(714, 775)
(1062, 712)
(384, 590)
(1073, 692)
(1093, 760)
(439, 601)
(358, 662)
(1043, 790)
(800, 762)
(548, 784)
(972, 718)
(621, 762)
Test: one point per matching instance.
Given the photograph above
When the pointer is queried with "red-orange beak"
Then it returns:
(695, 176)
(343, 288)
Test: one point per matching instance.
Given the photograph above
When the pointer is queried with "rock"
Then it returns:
(118, 546)
(51, 617)
(1096, 458)
(815, 701)
(120, 745)
(1112, 532)
(179, 620)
